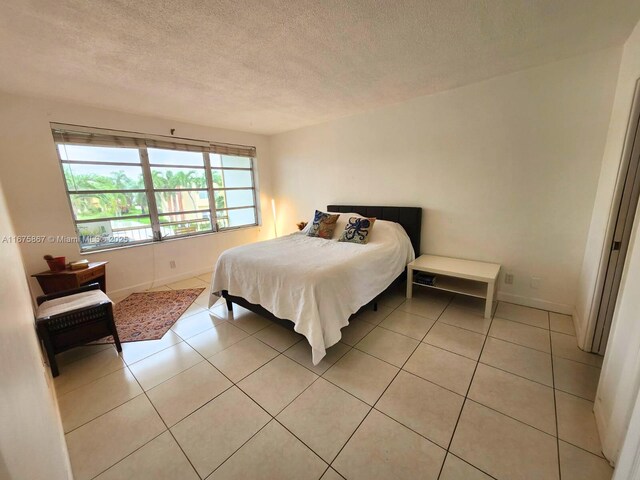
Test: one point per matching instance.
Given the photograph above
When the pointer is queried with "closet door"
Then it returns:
(622, 217)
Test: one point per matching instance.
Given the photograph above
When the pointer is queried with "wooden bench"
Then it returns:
(466, 277)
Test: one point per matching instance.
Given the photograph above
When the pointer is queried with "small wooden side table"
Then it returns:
(467, 277)
(52, 282)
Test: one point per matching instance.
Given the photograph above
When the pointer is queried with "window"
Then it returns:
(233, 189)
(126, 189)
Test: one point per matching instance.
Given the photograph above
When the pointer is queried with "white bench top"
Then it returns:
(456, 267)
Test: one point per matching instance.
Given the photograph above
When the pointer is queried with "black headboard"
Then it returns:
(409, 217)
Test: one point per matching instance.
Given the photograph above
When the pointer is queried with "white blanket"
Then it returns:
(316, 283)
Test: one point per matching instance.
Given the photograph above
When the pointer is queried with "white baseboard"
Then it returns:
(536, 303)
(157, 282)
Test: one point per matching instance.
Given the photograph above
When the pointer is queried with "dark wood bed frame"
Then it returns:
(409, 217)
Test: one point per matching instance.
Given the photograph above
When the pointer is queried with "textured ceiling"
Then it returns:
(274, 65)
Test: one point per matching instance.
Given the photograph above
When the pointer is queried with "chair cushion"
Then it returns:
(71, 302)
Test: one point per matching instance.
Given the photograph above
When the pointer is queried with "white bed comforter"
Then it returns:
(316, 283)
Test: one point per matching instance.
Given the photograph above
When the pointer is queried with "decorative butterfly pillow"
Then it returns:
(323, 225)
(357, 230)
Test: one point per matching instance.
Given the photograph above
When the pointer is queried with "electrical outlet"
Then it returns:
(508, 278)
(535, 282)
(172, 264)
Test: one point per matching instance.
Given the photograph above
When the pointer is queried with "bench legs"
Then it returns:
(409, 282)
(488, 306)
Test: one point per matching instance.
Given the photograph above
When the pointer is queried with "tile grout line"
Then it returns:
(557, 436)
(532, 308)
(160, 416)
(515, 374)
(479, 333)
(481, 404)
(152, 354)
(403, 334)
(243, 443)
(371, 406)
(407, 371)
(84, 357)
(126, 366)
(273, 418)
(411, 429)
(414, 374)
(421, 435)
(555, 405)
(465, 396)
(601, 457)
(111, 409)
(296, 397)
(176, 374)
(464, 402)
(473, 466)
(351, 347)
(235, 384)
(466, 461)
(127, 455)
(522, 323)
(166, 429)
(542, 351)
(396, 375)
(574, 395)
(165, 423)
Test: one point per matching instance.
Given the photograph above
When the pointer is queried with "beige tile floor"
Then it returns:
(425, 388)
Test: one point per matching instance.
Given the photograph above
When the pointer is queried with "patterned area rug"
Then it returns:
(148, 315)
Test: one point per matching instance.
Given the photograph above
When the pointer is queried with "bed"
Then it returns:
(319, 284)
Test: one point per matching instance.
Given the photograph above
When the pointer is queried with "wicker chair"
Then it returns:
(75, 327)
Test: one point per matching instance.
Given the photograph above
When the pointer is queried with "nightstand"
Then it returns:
(52, 282)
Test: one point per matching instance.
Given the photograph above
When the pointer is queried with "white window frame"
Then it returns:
(143, 143)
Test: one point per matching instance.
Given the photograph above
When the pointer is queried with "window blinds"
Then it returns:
(109, 138)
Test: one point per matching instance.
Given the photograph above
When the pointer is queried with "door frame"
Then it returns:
(632, 133)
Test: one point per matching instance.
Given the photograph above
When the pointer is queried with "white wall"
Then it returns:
(505, 170)
(31, 438)
(620, 377)
(36, 196)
